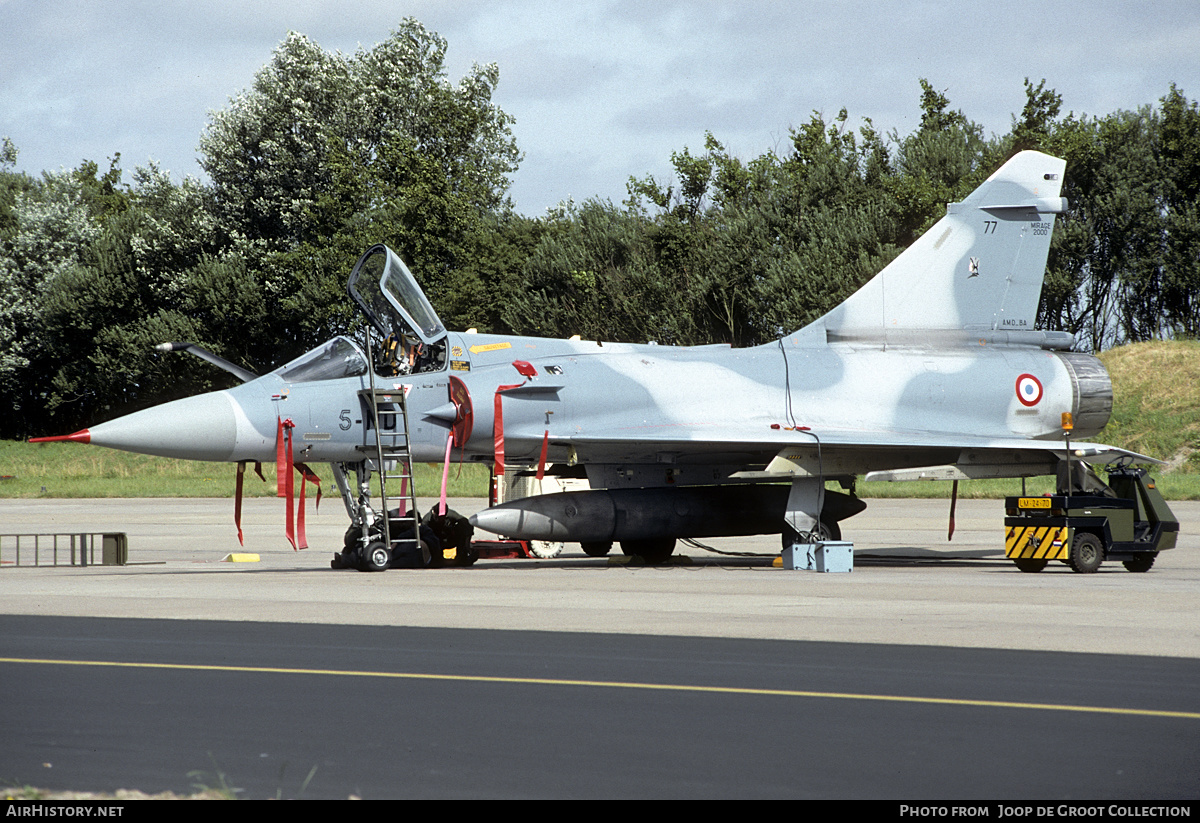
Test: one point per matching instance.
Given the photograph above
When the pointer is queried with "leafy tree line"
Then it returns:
(328, 153)
(743, 252)
(324, 155)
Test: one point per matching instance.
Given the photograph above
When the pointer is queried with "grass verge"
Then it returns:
(70, 470)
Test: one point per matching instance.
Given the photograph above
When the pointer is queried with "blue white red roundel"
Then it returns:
(1029, 390)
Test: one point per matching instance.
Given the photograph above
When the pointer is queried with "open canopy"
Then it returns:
(389, 296)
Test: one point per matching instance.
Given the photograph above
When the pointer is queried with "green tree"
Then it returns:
(592, 274)
(49, 233)
(329, 153)
(491, 276)
(821, 223)
(12, 185)
(742, 252)
(1034, 128)
(95, 273)
(934, 114)
(939, 163)
(1106, 266)
(1179, 159)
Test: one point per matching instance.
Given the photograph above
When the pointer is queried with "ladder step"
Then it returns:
(392, 443)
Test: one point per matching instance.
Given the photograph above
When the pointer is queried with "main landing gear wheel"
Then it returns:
(827, 531)
(656, 550)
(1030, 564)
(1141, 563)
(596, 549)
(1086, 553)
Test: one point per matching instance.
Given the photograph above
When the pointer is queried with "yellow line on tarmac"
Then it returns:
(615, 684)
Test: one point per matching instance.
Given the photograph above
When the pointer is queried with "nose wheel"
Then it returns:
(377, 557)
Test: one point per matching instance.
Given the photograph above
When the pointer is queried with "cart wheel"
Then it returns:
(545, 549)
(1141, 563)
(1030, 564)
(1086, 553)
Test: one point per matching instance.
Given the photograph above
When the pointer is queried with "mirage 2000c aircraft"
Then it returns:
(933, 368)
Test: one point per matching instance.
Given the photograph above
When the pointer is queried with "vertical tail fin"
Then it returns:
(979, 268)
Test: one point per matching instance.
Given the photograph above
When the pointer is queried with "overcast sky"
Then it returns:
(600, 89)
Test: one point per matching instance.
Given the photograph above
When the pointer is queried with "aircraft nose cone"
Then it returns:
(203, 427)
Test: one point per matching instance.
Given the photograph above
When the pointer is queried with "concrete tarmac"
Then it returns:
(909, 585)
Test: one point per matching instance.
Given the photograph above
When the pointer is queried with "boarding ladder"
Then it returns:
(393, 461)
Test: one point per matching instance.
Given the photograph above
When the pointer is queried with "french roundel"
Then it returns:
(1029, 390)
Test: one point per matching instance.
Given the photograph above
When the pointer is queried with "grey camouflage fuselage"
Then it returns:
(933, 368)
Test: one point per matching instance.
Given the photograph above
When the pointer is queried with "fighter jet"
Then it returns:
(932, 369)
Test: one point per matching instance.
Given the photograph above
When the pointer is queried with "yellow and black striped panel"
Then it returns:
(1044, 542)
